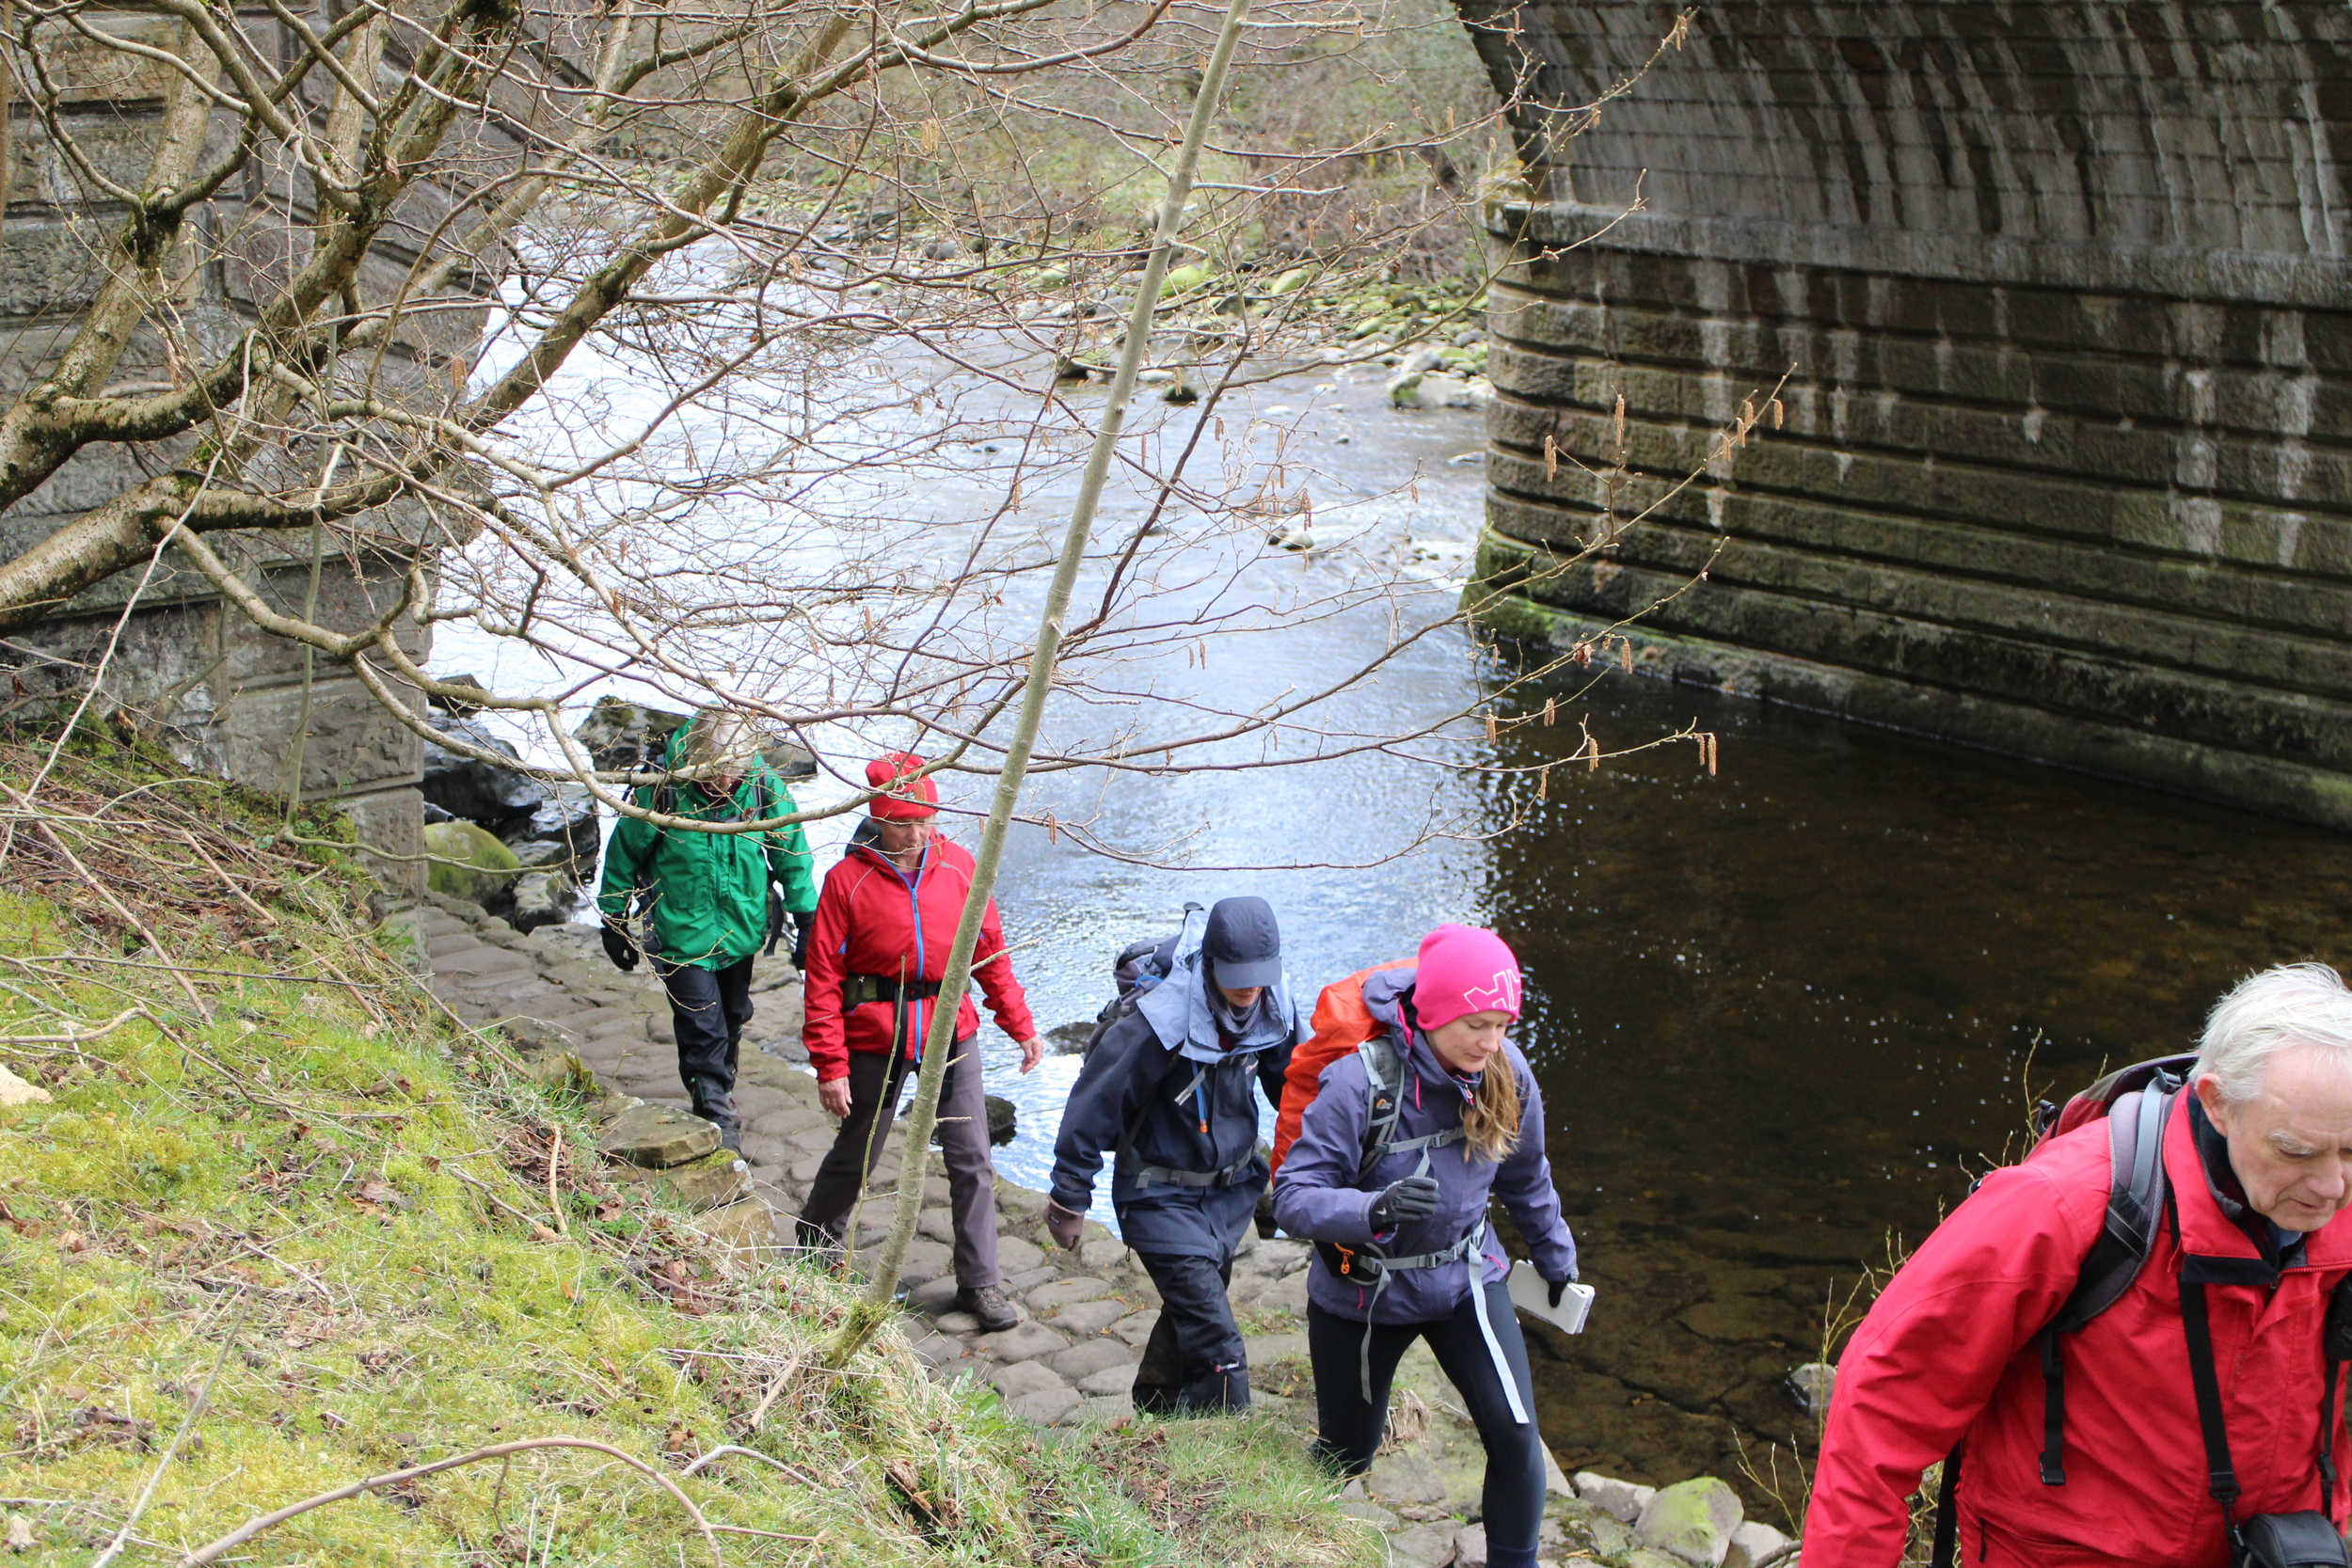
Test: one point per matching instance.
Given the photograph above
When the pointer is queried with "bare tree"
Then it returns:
(669, 344)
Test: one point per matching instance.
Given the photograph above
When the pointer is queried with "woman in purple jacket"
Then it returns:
(1397, 1239)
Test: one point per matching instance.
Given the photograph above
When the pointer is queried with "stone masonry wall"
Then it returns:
(2060, 293)
(227, 697)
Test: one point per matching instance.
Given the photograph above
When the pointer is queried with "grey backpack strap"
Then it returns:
(1384, 1091)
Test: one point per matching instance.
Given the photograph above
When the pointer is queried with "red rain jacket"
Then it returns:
(872, 919)
(1949, 1350)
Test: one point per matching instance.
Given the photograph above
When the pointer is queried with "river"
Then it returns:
(1780, 1014)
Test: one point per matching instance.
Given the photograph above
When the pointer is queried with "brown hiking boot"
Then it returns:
(990, 1304)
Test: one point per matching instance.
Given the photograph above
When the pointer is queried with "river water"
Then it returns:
(1780, 1014)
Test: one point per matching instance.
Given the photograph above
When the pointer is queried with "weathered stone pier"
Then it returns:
(2060, 297)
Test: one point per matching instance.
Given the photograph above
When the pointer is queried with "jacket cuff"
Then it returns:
(1076, 1203)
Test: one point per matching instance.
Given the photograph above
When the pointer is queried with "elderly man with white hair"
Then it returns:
(2189, 1415)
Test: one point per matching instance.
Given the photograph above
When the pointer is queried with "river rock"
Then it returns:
(1469, 1546)
(656, 1137)
(1590, 1528)
(562, 830)
(469, 863)
(1621, 1499)
(1690, 1519)
(544, 898)
(472, 790)
(621, 734)
(1068, 1037)
(1062, 1292)
(1422, 1547)
(711, 1182)
(1756, 1544)
(1812, 1384)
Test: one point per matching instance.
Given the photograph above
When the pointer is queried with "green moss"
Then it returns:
(483, 870)
(307, 1203)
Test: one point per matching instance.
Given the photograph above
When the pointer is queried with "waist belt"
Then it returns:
(858, 990)
(1164, 1176)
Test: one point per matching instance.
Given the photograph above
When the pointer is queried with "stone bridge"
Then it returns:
(2055, 301)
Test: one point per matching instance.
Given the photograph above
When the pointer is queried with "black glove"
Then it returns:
(775, 921)
(1559, 1288)
(1413, 1199)
(618, 948)
(803, 921)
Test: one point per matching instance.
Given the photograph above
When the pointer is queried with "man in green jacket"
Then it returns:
(713, 897)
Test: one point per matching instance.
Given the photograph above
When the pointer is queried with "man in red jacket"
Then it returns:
(877, 950)
(2259, 1162)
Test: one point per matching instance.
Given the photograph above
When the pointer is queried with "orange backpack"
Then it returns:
(1341, 1024)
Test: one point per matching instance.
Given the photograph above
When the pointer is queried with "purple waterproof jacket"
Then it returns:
(1315, 1194)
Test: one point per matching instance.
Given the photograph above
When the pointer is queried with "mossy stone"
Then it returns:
(1692, 1520)
(485, 871)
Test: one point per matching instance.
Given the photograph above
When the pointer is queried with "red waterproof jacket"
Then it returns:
(1950, 1350)
(874, 919)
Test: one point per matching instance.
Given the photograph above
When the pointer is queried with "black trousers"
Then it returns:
(708, 1008)
(1351, 1428)
(1195, 1359)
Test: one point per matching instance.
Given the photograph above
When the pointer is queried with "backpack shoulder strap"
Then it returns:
(2138, 1199)
(2137, 1190)
(1135, 1124)
(1384, 1099)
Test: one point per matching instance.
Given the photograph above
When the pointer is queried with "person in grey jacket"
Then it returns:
(1169, 1091)
(1404, 1249)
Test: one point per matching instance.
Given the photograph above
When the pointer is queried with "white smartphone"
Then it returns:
(1531, 1295)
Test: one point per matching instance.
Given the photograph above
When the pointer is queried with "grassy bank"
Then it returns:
(282, 1225)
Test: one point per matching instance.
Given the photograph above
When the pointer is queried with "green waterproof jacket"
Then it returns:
(708, 891)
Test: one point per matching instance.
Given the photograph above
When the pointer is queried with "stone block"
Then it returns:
(1692, 1520)
(1017, 1202)
(1117, 1379)
(1021, 1342)
(1621, 1499)
(1756, 1544)
(1090, 1355)
(1137, 1327)
(1047, 1407)
(1469, 1546)
(1015, 1256)
(927, 1260)
(710, 1182)
(1063, 1293)
(1422, 1547)
(656, 1137)
(1097, 1256)
(1089, 1316)
(1026, 1377)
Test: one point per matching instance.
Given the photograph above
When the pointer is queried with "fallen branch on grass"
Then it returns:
(215, 1550)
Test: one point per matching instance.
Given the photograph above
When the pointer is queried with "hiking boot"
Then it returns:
(990, 1304)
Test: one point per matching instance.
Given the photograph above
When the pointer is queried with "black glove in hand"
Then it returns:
(803, 921)
(1559, 1288)
(618, 948)
(1413, 1199)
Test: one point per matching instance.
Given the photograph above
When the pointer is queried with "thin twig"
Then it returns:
(187, 1423)
(215, 1550)
(726, 1449)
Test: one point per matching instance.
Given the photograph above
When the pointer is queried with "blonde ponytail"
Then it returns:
(1490, 1122)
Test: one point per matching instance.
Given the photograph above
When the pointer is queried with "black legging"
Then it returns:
(1351, 1428)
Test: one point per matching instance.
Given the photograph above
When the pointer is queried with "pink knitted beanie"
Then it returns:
(1464, 969)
